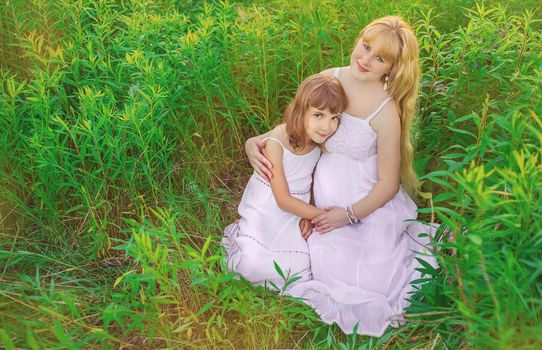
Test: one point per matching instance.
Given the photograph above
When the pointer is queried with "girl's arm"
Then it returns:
(388, 127)
(253, 149)
(273, 152)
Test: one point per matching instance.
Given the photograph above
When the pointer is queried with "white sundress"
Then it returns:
(265, 233)
(361, 272)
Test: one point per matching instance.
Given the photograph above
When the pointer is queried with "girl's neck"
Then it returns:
(309, 145)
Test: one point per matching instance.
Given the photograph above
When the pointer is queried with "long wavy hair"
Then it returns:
(320, 91)
(399, 45)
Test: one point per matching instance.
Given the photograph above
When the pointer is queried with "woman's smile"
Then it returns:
(361, 68)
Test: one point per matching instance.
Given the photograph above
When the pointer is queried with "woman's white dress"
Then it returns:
(361, 272)
(265, 233)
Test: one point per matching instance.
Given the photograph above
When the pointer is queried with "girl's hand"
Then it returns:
(334, 218)
(253, 149)
(306, 228)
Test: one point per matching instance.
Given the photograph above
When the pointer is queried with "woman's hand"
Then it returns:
(306, 228)
(334, 218)
(253, 149)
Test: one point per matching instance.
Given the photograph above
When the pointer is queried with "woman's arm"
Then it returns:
(253, 149)
(273, 152)
(388, 127)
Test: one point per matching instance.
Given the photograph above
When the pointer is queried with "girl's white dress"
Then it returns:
(361, 272)
(265, 233)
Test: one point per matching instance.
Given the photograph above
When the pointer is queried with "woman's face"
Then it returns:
(367, 63)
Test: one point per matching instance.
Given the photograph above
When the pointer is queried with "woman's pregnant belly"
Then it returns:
(341, 181)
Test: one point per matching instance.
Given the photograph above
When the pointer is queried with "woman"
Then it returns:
(362, 252)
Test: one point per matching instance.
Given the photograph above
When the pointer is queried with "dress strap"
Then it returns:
(274, 139)
(336, 72)
(369, 118)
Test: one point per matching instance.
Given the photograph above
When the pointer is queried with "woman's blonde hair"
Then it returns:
(399, 46)
(320, 91)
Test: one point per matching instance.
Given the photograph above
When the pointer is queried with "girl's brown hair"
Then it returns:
(320, 91)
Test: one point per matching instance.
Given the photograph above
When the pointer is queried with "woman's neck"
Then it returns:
(367, 87)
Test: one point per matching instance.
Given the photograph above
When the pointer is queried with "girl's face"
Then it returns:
(320, 124)
(367, 63)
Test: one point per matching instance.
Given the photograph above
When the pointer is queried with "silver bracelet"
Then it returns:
(348, 216)
(352, 217)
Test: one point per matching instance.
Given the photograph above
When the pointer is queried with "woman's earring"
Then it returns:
(386, 82)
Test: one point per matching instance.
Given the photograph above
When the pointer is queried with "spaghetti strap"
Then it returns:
(274, 139)
(336, 72)
(369, 118)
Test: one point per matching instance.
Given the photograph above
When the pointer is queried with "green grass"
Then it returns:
(121, 161)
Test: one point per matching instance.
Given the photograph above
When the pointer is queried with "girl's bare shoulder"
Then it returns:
(279, 133)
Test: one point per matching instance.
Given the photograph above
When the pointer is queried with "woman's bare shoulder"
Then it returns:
(328, 71)
(391, 108)
(387, 118)
(331, 71)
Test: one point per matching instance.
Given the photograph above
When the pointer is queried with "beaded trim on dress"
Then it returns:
(234, 232)
(269, 185)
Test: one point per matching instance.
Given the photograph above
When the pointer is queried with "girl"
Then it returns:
(268, 230)
(362, 259)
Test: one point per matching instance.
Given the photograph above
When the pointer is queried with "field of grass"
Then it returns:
(122, 126)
